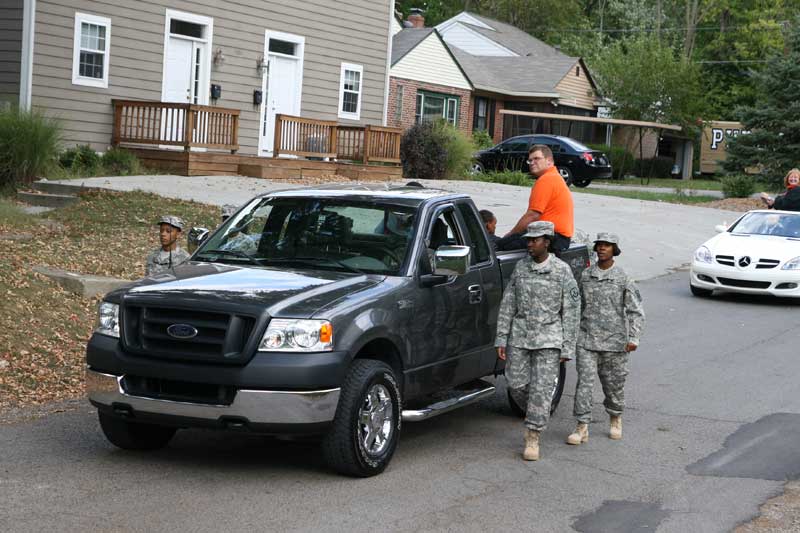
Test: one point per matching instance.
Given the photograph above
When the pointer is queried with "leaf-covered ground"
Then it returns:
(43, 328)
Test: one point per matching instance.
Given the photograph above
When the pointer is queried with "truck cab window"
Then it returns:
(478, 243)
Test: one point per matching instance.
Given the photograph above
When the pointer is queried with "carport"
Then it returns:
(685, 147)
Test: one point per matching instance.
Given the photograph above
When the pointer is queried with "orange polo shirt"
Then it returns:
(551, 197)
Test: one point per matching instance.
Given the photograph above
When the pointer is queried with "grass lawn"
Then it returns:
(710, 185)
(43, 328)
(672, 198)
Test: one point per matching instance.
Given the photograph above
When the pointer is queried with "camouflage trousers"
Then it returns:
(537, 370)
(612, 367)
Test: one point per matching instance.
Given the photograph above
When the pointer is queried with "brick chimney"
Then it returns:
(415, 18)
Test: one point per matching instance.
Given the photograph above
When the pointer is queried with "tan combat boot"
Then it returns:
(616, 427)
(581, 434)
(531, 452)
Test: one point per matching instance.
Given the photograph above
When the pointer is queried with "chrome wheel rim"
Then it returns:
(376, 420)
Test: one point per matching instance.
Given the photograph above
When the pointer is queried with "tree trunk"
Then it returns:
(692, 17)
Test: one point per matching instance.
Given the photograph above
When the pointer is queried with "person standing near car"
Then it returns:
(169, 255)
(537, 328)
(550, 200)
(612, 321)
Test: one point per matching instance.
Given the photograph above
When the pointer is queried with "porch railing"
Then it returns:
(186, 125)
(305, 137)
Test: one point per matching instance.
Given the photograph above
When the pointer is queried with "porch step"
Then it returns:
(449, 400)
(46, 199)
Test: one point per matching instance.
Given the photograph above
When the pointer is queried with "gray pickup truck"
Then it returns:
(336, 311)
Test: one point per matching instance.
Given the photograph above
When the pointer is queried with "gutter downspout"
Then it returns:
(388, 65)
(26, 59)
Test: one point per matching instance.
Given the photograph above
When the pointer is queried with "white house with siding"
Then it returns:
(318, 59)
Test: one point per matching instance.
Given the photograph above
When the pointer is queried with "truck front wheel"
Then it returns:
(134, 435)
(518, 400)
(367, 422)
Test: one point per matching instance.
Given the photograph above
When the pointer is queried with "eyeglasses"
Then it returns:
(530, 161)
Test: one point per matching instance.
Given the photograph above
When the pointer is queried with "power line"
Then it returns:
(650, 30)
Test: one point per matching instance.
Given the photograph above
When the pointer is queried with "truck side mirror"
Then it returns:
(451, 260)
(195, 238)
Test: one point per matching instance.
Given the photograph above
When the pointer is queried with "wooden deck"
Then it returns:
(215, 163)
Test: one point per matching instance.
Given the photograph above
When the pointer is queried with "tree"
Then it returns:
(773, 143)
(644, 79)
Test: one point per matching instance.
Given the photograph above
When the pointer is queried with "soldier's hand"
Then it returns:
(630, 347)
(501, 352)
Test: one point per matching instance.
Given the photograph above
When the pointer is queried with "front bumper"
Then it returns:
(281, 411)
(773, 282)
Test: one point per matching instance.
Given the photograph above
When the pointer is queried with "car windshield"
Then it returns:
(765, 223)
(326, 233)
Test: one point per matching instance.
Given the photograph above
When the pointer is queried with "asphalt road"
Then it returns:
(710, 433)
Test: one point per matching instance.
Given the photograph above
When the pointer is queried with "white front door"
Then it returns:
(178, 81)
(187, 41)
(282, 84)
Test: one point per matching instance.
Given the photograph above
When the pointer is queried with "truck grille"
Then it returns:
(220, 336)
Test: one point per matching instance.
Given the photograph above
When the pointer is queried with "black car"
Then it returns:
(577, 163)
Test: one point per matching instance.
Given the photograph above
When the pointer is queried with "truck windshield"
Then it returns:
(326, 233)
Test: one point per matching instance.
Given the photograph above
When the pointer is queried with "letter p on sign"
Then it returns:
(717, 135)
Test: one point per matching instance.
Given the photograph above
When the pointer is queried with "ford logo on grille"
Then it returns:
(182, 331)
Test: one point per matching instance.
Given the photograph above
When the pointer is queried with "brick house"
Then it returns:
(425, 81)
(510, 69)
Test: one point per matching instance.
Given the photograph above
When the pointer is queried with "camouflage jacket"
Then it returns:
(613, 314)
(541, 307)
(158, 260)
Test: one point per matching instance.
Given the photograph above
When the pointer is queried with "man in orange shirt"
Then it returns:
(550, 199)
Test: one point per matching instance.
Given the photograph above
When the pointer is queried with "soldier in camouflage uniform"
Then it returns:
(537, 328)
(170, 254)
(611, 325)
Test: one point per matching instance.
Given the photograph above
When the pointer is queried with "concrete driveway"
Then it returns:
(656, 237)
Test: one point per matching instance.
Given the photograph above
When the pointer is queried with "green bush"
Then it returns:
(622, 161)
(482, 140)
(120, 162)
(29, 143)
(460, 150)
(738, 186)
(81, 159)
(508, 177)
(435, 150)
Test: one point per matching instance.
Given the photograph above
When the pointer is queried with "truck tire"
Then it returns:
(366, 426)
(135, 435)
(518, 402)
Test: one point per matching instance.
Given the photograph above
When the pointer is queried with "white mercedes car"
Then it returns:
(757, 254)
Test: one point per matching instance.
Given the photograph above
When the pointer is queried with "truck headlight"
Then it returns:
(792, 264)
(108, 319)
(294, 335)
(703, 255)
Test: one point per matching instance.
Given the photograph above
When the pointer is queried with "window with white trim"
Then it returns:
(90, 55)
(431, 106)
(350, 91)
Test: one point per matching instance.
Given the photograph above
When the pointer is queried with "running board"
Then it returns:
(462, 398)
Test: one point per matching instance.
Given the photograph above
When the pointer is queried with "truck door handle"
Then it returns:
(475, 294)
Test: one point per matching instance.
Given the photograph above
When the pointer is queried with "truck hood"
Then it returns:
(292, 294)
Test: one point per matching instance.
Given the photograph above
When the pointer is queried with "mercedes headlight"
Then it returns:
(108, 319)
(295, 335)
(792, 264)
(703, 255)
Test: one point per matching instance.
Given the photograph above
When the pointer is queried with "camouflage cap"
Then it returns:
(539, 228)
(172, 220)
(611, 238)
(228, 210)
